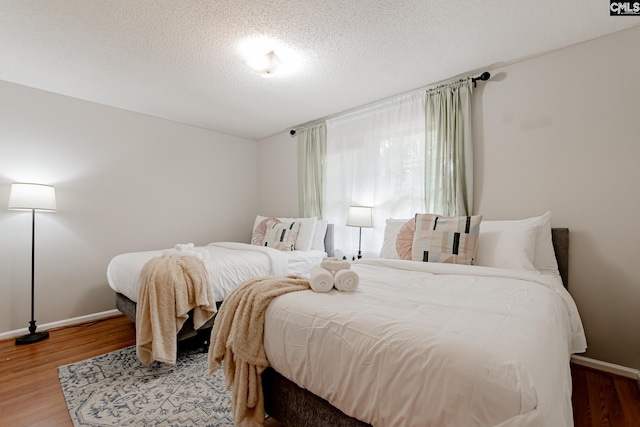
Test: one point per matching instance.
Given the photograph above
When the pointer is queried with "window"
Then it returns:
(375, 157)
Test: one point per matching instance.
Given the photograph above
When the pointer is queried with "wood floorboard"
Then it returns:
(30, 393)
(601, 399)
(581, 409)
(629, 399)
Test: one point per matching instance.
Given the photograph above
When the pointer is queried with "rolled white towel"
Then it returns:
(335, 264)
(346, 280)
(186, 249)
(184, 246)
(320, 279)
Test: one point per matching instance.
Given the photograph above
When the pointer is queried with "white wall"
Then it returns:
(557, 132)
(278, 176)
(560, 132)
(124, 182)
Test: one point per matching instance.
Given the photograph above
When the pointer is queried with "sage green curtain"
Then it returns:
(312, 152)
(449, 149)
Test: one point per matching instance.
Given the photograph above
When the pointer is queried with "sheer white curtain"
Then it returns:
(375, 157)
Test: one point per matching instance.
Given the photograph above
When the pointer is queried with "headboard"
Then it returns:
(560, 238)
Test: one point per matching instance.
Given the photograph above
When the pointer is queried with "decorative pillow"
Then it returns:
(404, 240)
(445, 239)
(258, 220)
(318, 235)
(259, 231)
(391, 230)
(281, 235)
(305, 235)
(543, 256)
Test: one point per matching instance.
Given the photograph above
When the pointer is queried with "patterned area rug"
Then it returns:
(115, 389)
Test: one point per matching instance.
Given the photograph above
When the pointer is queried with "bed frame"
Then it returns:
(292, 405)
(127, 307)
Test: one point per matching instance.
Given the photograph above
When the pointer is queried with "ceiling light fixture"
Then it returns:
(259, 53)
(265, 64)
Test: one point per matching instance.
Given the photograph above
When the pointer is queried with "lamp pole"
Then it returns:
(28, 196)
(33, 336)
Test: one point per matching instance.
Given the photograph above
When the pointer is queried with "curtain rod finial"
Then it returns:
(484, 77)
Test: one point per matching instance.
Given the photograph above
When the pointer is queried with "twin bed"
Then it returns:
(422, 343)
(227, 263)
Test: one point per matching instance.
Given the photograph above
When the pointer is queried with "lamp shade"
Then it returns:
(25, 196)
(360, 216)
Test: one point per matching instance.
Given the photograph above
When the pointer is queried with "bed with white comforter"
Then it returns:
(227, 265)
(433, 344)
(292, 246)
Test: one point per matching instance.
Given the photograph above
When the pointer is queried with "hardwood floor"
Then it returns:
(601, 399)
(30, 393)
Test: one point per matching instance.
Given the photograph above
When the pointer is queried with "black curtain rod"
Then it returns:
(484, 77)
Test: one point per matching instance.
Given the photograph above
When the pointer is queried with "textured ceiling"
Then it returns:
(182, 59)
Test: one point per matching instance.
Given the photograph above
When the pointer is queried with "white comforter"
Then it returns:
(422, 344)
(228, 264)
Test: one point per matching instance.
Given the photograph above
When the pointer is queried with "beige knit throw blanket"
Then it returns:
(237, 337)
(170, 287)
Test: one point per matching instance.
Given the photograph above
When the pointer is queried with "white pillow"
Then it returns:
(545, 257)
(510, 247)
(305, 234)
(497, 238)
(391, 229)
(318, 236)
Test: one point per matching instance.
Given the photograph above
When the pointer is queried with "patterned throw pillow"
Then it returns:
(281, 235)
(257, 237)
(404, 239)
(445, 239)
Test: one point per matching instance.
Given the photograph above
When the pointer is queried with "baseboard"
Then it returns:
(611, 368)
(66, 322)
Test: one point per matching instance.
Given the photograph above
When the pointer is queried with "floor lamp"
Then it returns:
(360, 216)
(32, 197)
